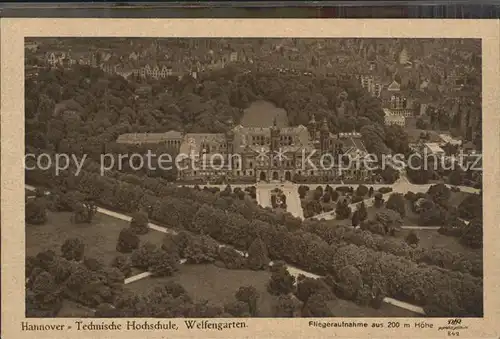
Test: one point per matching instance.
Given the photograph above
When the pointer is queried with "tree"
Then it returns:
(355, 219)
(122, 263)
(127, 241)
(316, 306)
(412, 239)
(421, 123)
(350, 282)
(84, 212)
(378, 200)
(342, 210)
(440, 194)
(44, 296)
(306, 287)
(287, 306)
(396, 202)
(249, 295)
(362, 213)
(303, 191)
(238, 309)
(389, 175)
(231, 258)
(201, 249)
(473, 234)
(73, 249)
(362, 190)
(163, 264)
(456, 177)
(36, 212)
(139, 223)
(93, 264)
(144, 256)
(257, 255)
(281, 282)
(370, 191)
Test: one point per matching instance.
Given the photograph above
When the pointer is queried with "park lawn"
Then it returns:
(71, 309)
(345, 308)
(100, 236)
(218, 285)
(432, 238)
(212, 283)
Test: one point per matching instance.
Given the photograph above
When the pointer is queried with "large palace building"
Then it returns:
(263, 153)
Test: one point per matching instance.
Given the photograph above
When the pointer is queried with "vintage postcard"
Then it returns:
(249, 178)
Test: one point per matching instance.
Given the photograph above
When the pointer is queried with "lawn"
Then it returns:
(71, 309)
(100, 237)
(431, 238)
(209, 282)
(345, 308)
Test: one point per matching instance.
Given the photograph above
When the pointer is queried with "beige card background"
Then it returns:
(13, 32)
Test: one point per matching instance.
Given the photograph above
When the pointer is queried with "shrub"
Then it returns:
(127, 241)
(362, 190)
(396, 202)
(237, 309)
(410, 196)
(122, 263)
(316, 306)
(93, 264)
(257, 255)
(73, 249)
(248, 295)
(201, 249)
(163, 264)
(144, 256)
(281, 282)
(287, 306)
(385, 190)
(356, 199)
(139, 223)
(231, 258)
(36, 212)
(412, 239)
(350, 282)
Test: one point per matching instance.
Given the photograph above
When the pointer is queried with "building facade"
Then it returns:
(273, 153)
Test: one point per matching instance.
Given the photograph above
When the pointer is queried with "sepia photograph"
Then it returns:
(253, 177)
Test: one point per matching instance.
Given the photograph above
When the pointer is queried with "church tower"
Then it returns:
(324, 136)
(275, 137)
(230, 136)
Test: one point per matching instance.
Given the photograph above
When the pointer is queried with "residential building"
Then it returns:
(393, 119)
(434, 149)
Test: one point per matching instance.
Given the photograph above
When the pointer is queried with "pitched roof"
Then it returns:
(148, 138)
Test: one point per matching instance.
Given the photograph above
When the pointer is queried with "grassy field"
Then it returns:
(345, 308)
(431, 238)
(209, 282)
(100, 237)
(71, 309)
(262, 113)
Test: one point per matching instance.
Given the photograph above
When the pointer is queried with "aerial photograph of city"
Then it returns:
(253, 177)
